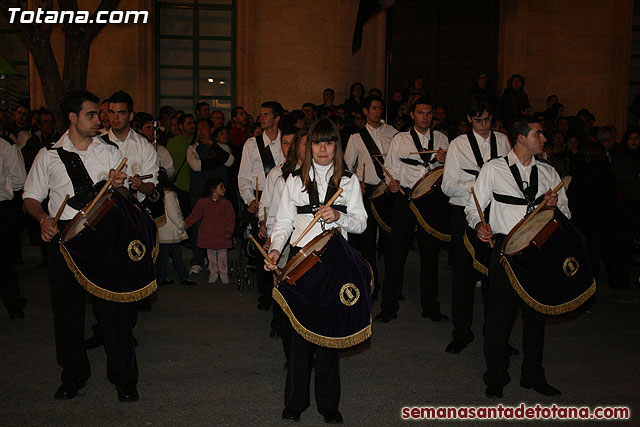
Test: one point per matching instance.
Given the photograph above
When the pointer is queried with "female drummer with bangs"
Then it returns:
(323, 170)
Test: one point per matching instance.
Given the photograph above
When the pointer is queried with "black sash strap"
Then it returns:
(426, 158)
(265, 155)
(106, 139)
(82, 182)
(473, 142)
(372, 148)
(472, 172)
(529, 192)
(314, 200)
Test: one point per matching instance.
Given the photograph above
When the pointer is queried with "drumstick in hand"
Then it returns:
(257, 201)
(424, 152)
(106, 186)
(317, 217)
(484, 221)
(541, 205)
(389, 174)
(263, 252)
(265, 216)
(60, 209)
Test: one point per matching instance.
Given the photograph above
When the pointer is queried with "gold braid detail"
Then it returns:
(435, 233)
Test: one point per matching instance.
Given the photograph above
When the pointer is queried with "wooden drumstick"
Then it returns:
(541, 205)
(265, 216)
(424, 152)
(317, 217)
(389, 174)
(105, 186)
(378, 155)
(60, 209)
(364, 168)
(264, 253)
(147, 176)
(484, 221)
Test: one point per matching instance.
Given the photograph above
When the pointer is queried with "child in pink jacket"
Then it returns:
(216, 229)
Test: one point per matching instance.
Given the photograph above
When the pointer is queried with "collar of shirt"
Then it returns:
(114, 138)
(374, 131)
(268, 141)
(424, 138)
(481, 140)
(65, 142)
(513, 159)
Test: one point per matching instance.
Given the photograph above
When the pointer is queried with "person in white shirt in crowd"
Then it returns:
(500, 183)
(406, 170)
(12, 178)
(467, 153)
(144, 126)
(260, 154)
(372, 140)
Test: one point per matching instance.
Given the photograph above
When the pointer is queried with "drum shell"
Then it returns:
(554, 277)
(114, 260)
(315, 306)
(381, 204)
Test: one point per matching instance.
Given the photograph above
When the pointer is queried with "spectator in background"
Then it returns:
(202, 110)
(104, 117)
(328, 96)
(375, 92)
(217, 119)
(606, 136)
(482, 89)
(341, 111)
(513, 100)
(417, 88)
(353, 104)
(255, 130)
(309, 112)
(177, 147)
(143, 123)
(239, 126)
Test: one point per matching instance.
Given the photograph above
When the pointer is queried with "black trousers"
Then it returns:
(115, 320)
(463, 279)
(503, 306)
(9, 284)
(327, 379)
(403, 224)
(367, 242)
(264, 279)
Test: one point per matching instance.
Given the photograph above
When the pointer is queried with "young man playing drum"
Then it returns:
(513, 185)
(323, 171)
(373, 140)
(49, 177)
(406, 170)
(467, 153)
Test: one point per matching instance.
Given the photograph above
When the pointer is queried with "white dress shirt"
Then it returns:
(165, 160)
(357, 151)
(456, 183)
(401, 145)
(290, 223)
(12, 170)
(142, 159)
(495, 176)
(48, 175)
(251, 166)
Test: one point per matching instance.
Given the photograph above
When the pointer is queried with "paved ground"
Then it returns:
(205, 358)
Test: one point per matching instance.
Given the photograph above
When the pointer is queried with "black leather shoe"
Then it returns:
(274, 333)
(455, 347)
(436, 316)
(127, 393)
(68, 391)
(512, 350)
(331, 417)
(288, 414)
(494, 391)
(385, 317)
(543, 388)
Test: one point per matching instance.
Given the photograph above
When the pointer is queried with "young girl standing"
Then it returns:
(216, 229)
(323, 168)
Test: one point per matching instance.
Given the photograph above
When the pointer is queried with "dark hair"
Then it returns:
(141, 118)
(630, 130)
(210, 185)
(296, 115)
(309, 104)
(234, 111)
(552, 96)
(72, 103)
(423, 100)
(183, 117)
(371, 92)
(510, 81)
(353, 86)
(289, 130)
(583, 112)
(276, 108)
(216, 132)
(323, 130)
(291, 163)
(521, 126)
(329, 90)
(201, 104)
(366, 103)
(322, 112)
(166, 110)
(207, 121)
(477, 105)
(124, 98)
(43, 113)
(253, 128)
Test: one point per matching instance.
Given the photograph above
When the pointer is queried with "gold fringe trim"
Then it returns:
(476, 264)
(321, 340)
(382, 224)
(542, 308)
(106, 294)
(156, 248)
(161, 220)
(435, 233)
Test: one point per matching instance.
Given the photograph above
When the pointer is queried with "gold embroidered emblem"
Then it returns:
(349, 294)
(153, 197)
(570, 266)
(136, 250)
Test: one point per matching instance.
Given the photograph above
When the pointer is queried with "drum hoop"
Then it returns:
(321, 340)
(435, 233)
(300, 256)
(426, 175)
(517, 227)
(386, 227)
(543, 308)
